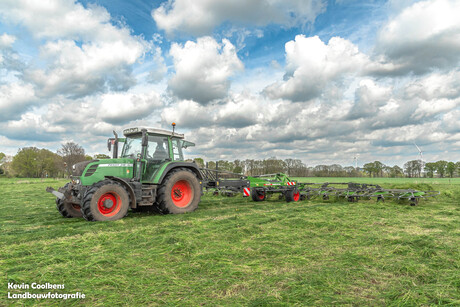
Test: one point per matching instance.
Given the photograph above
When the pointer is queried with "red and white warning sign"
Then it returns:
(291, 183)
(246, 192)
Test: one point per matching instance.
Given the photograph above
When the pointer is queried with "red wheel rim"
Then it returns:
(296, 195)
(76, 207)
(181, 193)
(261, 195)
(109, 204)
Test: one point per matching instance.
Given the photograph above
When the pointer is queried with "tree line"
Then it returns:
(296, 168)
(39, 163)
(32, 162)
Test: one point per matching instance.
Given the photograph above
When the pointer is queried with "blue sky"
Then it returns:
(321, 81)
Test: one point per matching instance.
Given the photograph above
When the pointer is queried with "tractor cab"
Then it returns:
(150, 149)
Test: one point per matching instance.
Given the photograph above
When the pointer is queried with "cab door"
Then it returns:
(157, 154)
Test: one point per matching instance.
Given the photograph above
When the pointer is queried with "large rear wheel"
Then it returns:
(179, 193)
(105, 201)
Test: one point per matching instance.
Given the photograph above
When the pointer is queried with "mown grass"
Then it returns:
(232, 251)
(382, 180)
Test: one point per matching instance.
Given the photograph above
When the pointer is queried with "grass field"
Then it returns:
(232, 251)
(384, 181)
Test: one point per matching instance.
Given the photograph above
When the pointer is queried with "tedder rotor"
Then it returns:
(261, 187)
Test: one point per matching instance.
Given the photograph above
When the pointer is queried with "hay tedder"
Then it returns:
(259, 188)
(151, 173)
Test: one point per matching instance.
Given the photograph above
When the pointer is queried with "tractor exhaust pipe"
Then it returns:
(114, 142)
(115, 145)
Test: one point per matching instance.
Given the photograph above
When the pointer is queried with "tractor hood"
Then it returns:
(90, 172)
(78, 168)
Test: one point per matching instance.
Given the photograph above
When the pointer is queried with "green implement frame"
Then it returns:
(264, 186)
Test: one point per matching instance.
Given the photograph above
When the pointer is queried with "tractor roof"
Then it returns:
(137, 130)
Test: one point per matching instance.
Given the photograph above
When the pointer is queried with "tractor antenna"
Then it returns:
(174, 126)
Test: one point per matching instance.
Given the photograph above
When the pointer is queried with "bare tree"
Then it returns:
(71, 153)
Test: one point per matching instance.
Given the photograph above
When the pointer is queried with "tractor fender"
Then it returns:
(191, 166)
(128, 188)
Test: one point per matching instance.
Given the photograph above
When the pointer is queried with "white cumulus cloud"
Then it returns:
(121, 108)
(203, 69)
(369, 96)
(82, 51)
(200, 17)
(423, 37)
(6, 40)
(14, 99)
(311, 66)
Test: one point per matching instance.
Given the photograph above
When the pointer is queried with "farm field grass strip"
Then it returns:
(234, 251)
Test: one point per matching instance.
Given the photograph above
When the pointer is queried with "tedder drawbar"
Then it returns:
(151, 172)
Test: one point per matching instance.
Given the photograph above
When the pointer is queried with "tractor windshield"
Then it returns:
(158, 148)
(132, 147)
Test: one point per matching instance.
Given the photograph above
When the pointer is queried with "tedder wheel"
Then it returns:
(179, 193)
(292, 195)
(105, 201)
(258, 194)
(67, 209)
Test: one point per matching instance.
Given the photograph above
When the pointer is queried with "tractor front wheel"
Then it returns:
(67, 209)
(105, 201)
(179, 193)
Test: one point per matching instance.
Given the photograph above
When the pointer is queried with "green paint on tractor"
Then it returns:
(97, 171)
(149, 172)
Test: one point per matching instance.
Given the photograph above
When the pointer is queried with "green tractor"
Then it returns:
(149, 173)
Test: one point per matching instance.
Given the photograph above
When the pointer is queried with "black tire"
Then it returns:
(258, 194)
(352, 199)
(179, 193)
(107, 200)
(292, 195)
(67, 209)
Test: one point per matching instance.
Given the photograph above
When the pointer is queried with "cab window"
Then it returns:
(158, 148)
(132, 147)
(177, 150)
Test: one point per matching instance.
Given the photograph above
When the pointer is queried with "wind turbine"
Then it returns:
(355, 160)
(421, 157)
